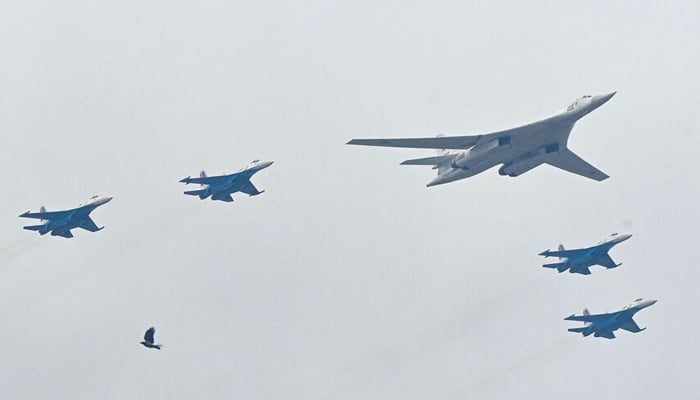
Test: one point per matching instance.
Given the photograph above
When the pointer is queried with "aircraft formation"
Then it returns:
(516, 150)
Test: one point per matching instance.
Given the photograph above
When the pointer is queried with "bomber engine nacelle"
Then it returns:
(481, 153)
(528, 161)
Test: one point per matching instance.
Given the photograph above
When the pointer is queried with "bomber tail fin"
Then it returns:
(444, 166)
(561, 248)
(42, 210)
(202, 174)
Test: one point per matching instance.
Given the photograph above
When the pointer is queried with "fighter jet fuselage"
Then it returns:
(60, 223)
(603, 325)
(221, 187)
(579, 260)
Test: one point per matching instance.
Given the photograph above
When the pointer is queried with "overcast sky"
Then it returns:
(347, 278)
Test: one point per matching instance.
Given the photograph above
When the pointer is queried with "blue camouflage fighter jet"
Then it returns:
(60, 223)
(579, 260)
(603, 325)
(221, 187)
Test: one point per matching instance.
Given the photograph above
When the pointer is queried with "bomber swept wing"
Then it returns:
(569, 161)
(440, 142)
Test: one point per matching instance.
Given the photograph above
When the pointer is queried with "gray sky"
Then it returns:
(348, 278)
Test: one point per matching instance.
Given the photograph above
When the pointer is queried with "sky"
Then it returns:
(347, 278)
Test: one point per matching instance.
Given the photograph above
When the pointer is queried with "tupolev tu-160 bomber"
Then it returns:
(221, 187)
(60, 223)
(518, 149)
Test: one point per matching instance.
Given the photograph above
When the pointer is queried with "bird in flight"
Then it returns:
(149, 339)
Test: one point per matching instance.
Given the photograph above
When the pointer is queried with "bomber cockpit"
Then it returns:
(583, 100)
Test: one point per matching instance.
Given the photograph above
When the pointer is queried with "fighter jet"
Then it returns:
(518, 149)
(149, 339)
(60, 223)
(578, 260)
(221, 187)
(603, 325)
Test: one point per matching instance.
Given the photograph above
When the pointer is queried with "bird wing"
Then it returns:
(150, 335)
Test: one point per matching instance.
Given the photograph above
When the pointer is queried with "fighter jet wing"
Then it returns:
(607, 261)
(89, 225)
(440, 142)
(250, 189)
(588, 318)
(564, 253)
(569, 161)
(46, 214)
(210, 180)
(631, 326)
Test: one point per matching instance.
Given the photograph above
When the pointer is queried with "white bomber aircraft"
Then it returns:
(518, 149)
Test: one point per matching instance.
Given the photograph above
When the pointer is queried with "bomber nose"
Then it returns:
(266, 164)
(603, 98)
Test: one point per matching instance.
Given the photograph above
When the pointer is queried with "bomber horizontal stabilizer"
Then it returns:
(436, 160)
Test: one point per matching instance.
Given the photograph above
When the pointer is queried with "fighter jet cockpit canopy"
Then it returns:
(90, 200)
